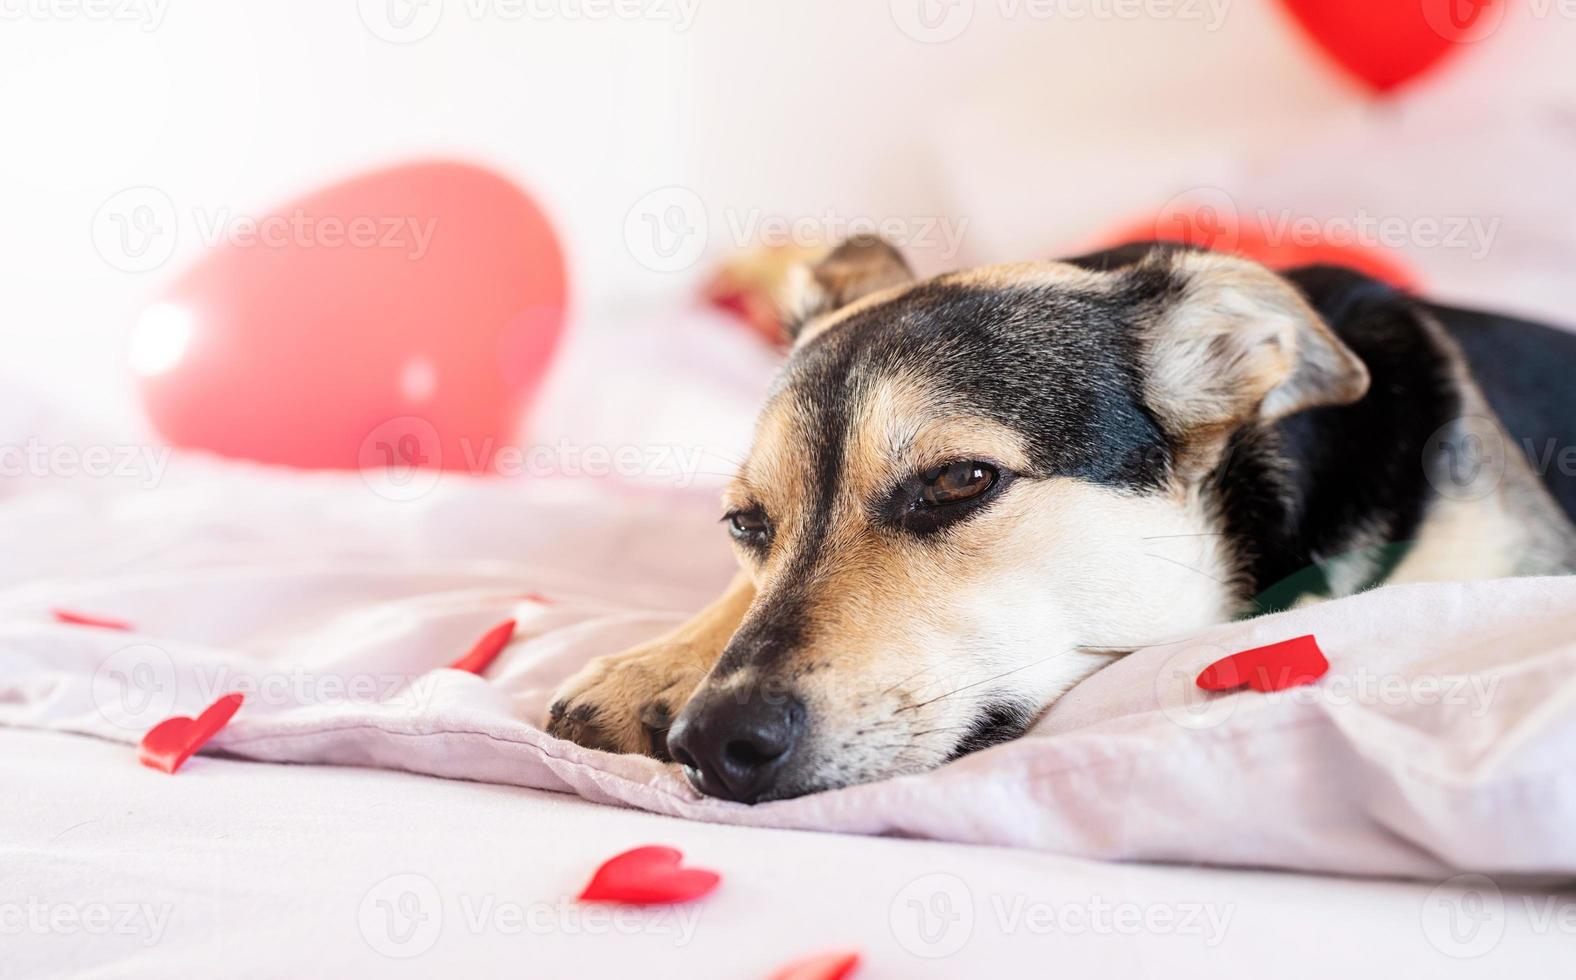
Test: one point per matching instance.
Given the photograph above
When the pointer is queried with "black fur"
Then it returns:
(1325, 481)
(1342, 477)
(1062, 366)
(1528, 373)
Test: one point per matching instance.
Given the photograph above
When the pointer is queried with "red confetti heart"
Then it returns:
(172, 741)
(648, 876)
(83, 619)
(486, 649)
(826, 966)
(1289, 663)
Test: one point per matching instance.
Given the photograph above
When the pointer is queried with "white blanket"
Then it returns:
(1442, 739)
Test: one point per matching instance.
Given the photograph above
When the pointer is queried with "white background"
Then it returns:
(1038, 132)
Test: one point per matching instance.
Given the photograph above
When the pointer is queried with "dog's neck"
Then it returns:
(1336, 500)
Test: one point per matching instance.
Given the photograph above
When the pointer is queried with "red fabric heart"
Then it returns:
(825, 966)
(648, 876)
(172, 741)
(1289, 663)
(83, 619)
(486, 649)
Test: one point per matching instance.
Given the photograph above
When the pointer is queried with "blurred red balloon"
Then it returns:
(401, 318)
(1387, 43)
(1207, 227)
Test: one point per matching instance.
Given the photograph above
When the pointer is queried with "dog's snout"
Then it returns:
(736, 743)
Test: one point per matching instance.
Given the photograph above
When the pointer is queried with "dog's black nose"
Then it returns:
(736, 742)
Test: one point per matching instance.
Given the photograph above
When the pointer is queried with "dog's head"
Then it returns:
(965, 494)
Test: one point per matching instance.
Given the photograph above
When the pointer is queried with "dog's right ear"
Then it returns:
(860, 266)
(1237, 344)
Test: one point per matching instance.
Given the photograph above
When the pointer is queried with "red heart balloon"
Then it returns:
(1289, 663)
(172, 741)
(648, 876)
(1386, 43)
(400, 318)
(827, 966)
(486, 649)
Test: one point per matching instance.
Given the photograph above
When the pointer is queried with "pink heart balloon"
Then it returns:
(401, 317)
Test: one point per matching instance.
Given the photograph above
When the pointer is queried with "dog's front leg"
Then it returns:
(625, 702)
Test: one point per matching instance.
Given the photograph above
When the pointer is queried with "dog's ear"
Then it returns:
(860, 266)
(1233, 344)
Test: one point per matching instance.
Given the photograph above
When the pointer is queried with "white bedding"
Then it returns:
(243, 869)
(289, 583)
(1440, 742)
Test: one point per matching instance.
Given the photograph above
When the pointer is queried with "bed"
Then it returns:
(369, 809)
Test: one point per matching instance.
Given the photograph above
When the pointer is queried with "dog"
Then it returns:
(967, 494)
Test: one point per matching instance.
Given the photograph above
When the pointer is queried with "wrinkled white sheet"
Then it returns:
(1442, 740)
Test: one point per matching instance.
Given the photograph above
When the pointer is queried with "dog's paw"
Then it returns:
(625, 702)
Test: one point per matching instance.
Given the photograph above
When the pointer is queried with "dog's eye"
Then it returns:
(955, 482)
(749, 526)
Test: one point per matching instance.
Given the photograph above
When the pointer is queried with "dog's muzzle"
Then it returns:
(735, 742)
